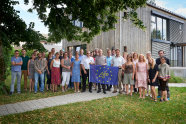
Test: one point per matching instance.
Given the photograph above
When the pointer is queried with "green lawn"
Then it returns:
(118, 109)
(5, 99)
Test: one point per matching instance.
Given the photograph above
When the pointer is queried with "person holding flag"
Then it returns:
(118, 61)
(100, 60)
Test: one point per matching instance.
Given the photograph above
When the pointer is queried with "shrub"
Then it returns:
(175, 79)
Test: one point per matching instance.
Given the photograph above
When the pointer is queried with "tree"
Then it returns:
(96, 15)
(12, 31)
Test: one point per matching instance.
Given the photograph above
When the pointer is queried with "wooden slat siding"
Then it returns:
(160, 46)
(175, 35)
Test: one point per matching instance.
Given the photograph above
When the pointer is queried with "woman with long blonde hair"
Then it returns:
(152, 78)
(141, 75)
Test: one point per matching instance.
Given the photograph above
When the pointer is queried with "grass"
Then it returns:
(5, 99)
(176, 79)
(118, 109)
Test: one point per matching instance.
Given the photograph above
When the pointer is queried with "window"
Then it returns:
(158, 28)
(153, 27)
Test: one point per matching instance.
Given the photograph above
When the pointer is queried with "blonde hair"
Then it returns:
(151, 65)
(144, 60)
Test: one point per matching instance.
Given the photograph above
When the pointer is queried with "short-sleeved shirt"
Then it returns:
(118, 61)
(81, 57)
(100, 60)
(25, 62)
(109, 60)
(72, 59)
(85, 62)
(152, 72)
(16, 60)
(158, 62)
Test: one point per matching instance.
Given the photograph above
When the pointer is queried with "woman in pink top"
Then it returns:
(141, 75)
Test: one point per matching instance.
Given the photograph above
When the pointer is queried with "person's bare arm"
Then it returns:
(28, 67)
(136, 70)
(51, 64)
(133, 71)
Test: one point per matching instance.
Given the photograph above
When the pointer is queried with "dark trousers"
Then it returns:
(49, 79)
(99, 87)
(85, 76)
(167, 88)
(109, 86)
(71, 84)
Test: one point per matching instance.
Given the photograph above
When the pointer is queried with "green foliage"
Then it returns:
(97, 16)
(175, 79)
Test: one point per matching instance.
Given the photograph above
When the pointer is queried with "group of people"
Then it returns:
(61, 68)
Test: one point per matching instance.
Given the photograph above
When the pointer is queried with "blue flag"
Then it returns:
(104, 74)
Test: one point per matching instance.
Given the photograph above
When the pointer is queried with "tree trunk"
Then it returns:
(2, 70)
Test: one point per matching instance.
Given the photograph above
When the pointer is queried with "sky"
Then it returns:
(177, 6)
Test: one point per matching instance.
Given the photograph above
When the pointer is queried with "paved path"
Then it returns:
(177, 84)
(51, 101)
(59, 100)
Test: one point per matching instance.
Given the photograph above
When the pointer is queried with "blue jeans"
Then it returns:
(41, 77)
(15, 74)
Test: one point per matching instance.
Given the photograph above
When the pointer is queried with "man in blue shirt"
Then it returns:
(16, 63)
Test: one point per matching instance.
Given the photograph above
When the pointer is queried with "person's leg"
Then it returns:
(68, 80)
(36, 75)
(99, 88)
(13, 77)
(154, 93)
(75, 90)
(33, 84)
(166, 95)
(168, 92)
(63, 81)
(103, 86)
(30, 87)
(143, 92)
(127, 89)
(140, 92)
(159, 89)
(147, 90)
(25, 73)
(84, 76)
(120, 80)
(42, 82)
(131, 88)
(77, 87)
(19, 82)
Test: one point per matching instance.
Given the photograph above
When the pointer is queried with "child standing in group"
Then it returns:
(141, 75)
(76, 72)
(129, 71)
(164, 76)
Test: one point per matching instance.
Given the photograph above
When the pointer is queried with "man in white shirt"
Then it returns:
(118, 61)
(85, 64)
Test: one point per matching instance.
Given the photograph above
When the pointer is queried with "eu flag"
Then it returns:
(104, 74)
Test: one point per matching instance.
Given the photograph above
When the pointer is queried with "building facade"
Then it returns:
(165, 30)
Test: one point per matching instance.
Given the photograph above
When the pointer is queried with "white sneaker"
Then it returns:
(150, 95)
(146, 95)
